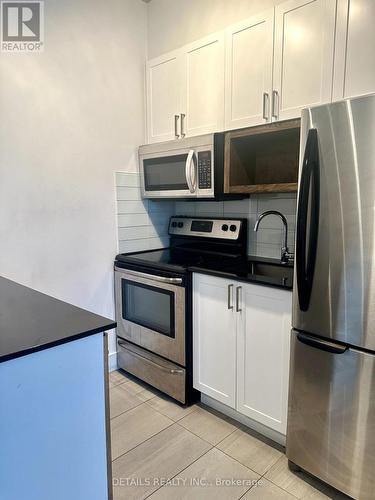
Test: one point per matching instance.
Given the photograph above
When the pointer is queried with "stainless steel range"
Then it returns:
(153, 299)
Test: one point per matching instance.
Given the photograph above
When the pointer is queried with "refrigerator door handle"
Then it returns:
(323, 345)
(308, 208)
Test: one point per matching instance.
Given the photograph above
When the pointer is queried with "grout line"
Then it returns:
(126, 411)
(270, 480)
(132, 408)
(182, 470)
(165, 415)
(144, 441)
(205, 440)
(236, 460)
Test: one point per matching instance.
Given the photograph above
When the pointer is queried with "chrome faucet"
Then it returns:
(286, 256)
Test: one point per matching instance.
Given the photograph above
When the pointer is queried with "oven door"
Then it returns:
(150, 312)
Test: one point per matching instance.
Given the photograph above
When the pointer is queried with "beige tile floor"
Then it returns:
(162, 450)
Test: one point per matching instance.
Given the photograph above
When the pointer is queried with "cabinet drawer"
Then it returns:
(156, 371)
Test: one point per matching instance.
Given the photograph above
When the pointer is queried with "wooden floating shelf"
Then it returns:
(290, 187)
(262, 159)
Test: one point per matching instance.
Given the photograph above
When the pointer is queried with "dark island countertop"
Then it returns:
(31, 321)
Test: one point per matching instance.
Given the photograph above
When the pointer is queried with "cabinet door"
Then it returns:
(354, 54)
(304, 48)
(203, 93)
(263, 342)
(214, 338)
(248, 75)
(164, 81)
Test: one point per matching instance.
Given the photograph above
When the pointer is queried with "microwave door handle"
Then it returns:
(190, 171)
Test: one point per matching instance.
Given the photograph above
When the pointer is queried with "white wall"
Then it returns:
(70, 117)
(173, 23)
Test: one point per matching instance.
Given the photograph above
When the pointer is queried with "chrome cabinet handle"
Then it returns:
(230, 292)
(143, 358)
(138, 274)
(238, 298)
(275, 108)
(176, 118)
(266, 97)
(183, 125)
(190, 173)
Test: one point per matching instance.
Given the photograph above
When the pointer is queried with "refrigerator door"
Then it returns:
(331, 420)
(334, 289)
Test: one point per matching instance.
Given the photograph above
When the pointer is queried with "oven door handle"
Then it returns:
(190, 171)
(143, 358)
(153, 277)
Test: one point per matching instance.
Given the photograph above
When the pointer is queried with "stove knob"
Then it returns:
(174, 224)
(233, 228)
(180, 224)
(224, 227)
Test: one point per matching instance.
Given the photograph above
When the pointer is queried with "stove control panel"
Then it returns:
(228, 229)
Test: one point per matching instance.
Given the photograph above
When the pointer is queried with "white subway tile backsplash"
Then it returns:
(143, 224)
(132, 207)
(214, 208)
(158, 243)
(286, 206)
(159, 218)
(237, 206)
(132, 220)
(128, 193)
(274, 222)
(133, 245)
(270, 251)
(158, 231)
(124, 179)
(133, 233)
(269, 236)
(161, 206)
(187, 208)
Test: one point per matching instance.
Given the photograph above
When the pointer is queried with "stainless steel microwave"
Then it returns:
(184, 168)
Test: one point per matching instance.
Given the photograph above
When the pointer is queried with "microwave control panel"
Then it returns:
(204, 170)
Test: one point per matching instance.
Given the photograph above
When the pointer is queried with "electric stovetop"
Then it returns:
(200, 242)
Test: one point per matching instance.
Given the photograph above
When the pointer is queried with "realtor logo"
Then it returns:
(22, 26)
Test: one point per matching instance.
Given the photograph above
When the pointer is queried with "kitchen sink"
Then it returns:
(278, 271)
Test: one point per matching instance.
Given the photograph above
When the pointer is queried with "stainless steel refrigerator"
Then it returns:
(331, 418)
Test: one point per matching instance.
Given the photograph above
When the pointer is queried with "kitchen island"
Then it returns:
(54, 422)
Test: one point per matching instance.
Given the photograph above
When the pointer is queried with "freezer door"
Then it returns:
(334, 289)
(331, 417)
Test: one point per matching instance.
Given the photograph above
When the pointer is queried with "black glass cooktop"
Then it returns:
(179, 259)
(233, 266)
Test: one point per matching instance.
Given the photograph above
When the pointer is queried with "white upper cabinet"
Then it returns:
(164, 97)
(214, 338)
(354, 54)
(248, 79)
(185, 91)
(263, 344)
(303, 58)
(203, 86)
(264, 69)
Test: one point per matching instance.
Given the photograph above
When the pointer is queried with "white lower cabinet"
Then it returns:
(214, 338)
(241, 335)
(263, 341)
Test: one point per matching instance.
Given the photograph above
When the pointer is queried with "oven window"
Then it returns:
(149, 306)
(165, 174)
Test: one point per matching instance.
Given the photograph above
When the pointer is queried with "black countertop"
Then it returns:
(31, 321)
(242, 274)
